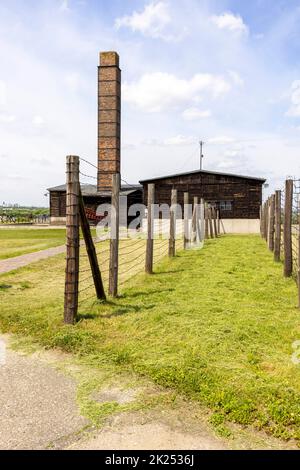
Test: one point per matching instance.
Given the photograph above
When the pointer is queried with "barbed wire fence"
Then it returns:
(104, 263)
(280, 227)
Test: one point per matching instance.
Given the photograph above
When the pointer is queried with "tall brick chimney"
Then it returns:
(109, 106)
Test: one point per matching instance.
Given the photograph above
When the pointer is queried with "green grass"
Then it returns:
(215, 325)
(17, 241)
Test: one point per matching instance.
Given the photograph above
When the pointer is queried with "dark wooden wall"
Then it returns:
(244, 194)
(57, 204)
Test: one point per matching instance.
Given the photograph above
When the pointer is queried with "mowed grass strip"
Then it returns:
(216, 325)
(17, 241)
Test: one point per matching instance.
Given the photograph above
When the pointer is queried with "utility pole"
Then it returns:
(201, 153)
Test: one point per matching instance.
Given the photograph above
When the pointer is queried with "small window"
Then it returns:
(225, 205)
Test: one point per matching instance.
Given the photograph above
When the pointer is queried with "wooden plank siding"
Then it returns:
(244, 194)
(58, 202)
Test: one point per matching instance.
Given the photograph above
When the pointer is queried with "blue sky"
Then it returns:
(226, 72)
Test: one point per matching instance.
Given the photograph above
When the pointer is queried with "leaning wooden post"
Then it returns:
(72, 234)
(272, 223)
(287, 230)
(186, 213)
(91, 252)
(114, 237)
(277, 242)
(150, 229)
(173, 211)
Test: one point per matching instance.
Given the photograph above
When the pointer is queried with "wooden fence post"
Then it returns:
(261, 222)
(194, 221)
(211, 230)
(186, 213)
(277, 243)
(202, 228)
(218, 222)
(267, 220)
(72, 234)
(287, 230)
(91, 252)
(206, 234)
(272, 223)
(150, 229)
(114, 237)
(214, 214)
(173, 213)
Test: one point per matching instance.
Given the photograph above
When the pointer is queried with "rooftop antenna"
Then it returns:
(201, 154)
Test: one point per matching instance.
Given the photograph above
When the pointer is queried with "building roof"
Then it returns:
(91, 189)
(206, 172)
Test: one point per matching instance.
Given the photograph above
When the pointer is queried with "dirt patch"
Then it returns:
(117, 395)
(153, 430)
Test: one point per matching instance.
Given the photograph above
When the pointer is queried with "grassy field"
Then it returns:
(17, 241)
(216, 325)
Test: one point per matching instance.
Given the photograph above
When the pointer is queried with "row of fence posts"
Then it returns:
(276, 223)
(205, 223)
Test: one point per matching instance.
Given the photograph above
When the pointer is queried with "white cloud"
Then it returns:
(2, 93)
(157, 91)
(7, 118)
(193, 114)
(226, 164)
(294, 110)
(150, 22)
(236, 78)
(233, 153)
(221, 140)
(179, 140)
(38, 121)
(176, 140)
(64, 6)
(230, 22)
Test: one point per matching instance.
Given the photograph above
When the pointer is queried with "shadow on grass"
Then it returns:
(117, 312)
(171, 271)
(127, 309)
(146, 293)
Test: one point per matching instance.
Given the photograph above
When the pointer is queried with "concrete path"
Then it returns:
(39, 411)
(10, 264)
(37, 403)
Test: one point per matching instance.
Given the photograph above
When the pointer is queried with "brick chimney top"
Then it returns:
(109, 58)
